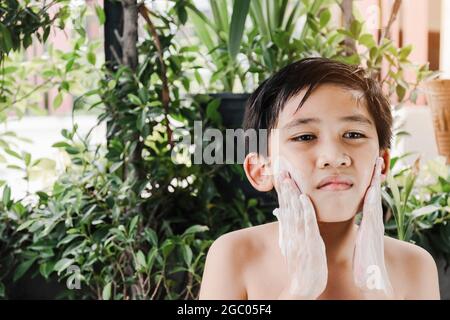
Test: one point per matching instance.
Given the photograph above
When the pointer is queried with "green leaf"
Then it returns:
(187, 254)
(25, 225)
(72, 150)
(58, 100)
(5, 39)
(10, 69)
(394, 189)
(63, 264)
(91, 58)
(69, 64)
(61, 144)
(134, 99)
(152, 254)
(115, 166)
(22, 269)
(212, 112)
(12, 166)
(6, 195)
(100, 14)
(46, 269)
(182, 14)
(111, 84)
(106, 294)
(133, 224)
(424, 210)
(140, 260)
(151, 236)
(324, 18)
(195, 229)
(252, 203)
(367, 40)
(140, 121)
(237, 26)
(13, 153)
(167, 247)
(27, 158)
(401, 91)
(355, 29)
(404, 52)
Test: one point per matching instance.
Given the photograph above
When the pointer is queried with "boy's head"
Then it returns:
(327, 119)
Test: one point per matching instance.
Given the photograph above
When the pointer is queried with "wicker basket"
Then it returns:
(438, 96)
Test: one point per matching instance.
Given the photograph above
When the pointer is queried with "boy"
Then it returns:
(331, 122)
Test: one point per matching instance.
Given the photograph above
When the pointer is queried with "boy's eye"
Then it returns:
(356, 135)
(350, 135)
(304, 137)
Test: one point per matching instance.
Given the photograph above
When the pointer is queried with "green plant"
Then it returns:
(131, 236)
(25, 82)
(281, 32)
(418, 200)
(20, 20)
(222, 38)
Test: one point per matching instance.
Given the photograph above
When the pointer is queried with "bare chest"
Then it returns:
(266, 280)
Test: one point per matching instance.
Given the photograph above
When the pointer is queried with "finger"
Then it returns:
(291, 185)
(309, 213)
(376, 176)
(282, 191)
(287, 188)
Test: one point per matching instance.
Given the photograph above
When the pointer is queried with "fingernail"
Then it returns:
(284, 175)
(380, 163)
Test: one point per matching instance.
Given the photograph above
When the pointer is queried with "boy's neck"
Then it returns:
(339, 239)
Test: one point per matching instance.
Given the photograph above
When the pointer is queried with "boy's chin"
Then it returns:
(334, 219)
(330, 215)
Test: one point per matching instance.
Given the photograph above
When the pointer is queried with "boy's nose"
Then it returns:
(334, 160)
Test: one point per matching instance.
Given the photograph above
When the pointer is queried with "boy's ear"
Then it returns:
(385, 154)
(258, 172)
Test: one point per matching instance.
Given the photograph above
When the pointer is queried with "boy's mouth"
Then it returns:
(335, 183)
(336, 187)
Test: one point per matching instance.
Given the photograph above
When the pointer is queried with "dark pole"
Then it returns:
(113, 44)
(113, 33)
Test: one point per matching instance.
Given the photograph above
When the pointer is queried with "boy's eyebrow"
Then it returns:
(359, 118)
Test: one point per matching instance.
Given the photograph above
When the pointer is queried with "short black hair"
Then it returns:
(268, 100)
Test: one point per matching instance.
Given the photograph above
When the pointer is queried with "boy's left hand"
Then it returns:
(369, 270)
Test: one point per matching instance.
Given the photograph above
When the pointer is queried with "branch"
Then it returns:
(347, 11)
(144, 11)
(392, 18)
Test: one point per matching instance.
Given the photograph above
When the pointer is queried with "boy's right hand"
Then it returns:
(300, 241)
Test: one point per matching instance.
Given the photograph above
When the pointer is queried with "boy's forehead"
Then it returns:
(326, 102)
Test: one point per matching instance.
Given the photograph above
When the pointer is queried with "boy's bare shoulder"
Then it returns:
(415, 266)
(239, 249)
(227, 260)
(402, 252)
(247, 240)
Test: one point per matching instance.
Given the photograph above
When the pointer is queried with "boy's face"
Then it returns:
(341, 141)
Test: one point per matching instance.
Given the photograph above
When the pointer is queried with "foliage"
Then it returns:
(130, 237)
(419, 204)
(281, 32)
(24, 82)
(20, 20)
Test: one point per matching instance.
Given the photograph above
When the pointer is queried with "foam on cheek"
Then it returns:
(281, 164)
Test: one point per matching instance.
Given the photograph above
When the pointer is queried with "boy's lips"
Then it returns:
(335, 183)
(336, 187)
